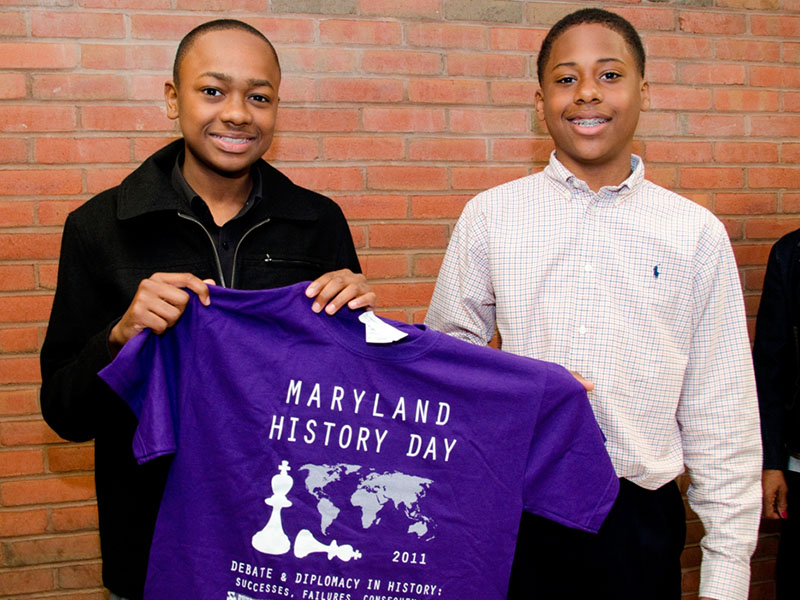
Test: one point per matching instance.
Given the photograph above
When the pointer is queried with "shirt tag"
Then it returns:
(379, 332)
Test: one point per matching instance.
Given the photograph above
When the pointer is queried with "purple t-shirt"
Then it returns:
(309, 464)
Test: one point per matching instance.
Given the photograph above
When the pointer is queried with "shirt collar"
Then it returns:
(560, 175)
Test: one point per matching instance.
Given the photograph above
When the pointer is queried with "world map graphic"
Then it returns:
(372, 492)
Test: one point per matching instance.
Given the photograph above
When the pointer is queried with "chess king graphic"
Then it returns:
(273, 540)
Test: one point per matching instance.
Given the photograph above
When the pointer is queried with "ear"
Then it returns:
(171, 99)
(645, 95)
(539, 103)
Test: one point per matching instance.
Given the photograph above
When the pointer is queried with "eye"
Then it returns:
(260, 99)
(566, 79)
(211, 92)
(611, 75)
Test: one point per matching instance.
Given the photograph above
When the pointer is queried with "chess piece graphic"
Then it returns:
(305, 544)
(272, 539)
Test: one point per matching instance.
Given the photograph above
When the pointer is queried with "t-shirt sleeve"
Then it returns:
(146, 375)
(569, 478)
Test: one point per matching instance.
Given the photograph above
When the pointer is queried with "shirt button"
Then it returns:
(588, 268)
(582, 330)
(224, 245)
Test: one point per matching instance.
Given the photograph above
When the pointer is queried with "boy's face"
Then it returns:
(226, 101)
(590, 98)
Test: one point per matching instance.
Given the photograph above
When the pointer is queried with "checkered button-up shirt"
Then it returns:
(637, 289)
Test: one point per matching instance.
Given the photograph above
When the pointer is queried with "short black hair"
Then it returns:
(608, 19)
(218, 25)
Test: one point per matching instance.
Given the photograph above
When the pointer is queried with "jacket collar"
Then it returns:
(149, 189)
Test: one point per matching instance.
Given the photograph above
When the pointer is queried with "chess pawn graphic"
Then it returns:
(305, 544)
(272, 539)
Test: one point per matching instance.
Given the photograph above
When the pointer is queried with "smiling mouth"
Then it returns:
(596, 122)
(232, 140)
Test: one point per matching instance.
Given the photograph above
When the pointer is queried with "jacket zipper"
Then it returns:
(236, 251)
(213, 246)
(290, 261)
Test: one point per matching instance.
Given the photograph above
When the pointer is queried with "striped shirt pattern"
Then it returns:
(637, 289)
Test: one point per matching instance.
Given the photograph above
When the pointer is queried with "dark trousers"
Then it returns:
(635, 555)
(788, 567)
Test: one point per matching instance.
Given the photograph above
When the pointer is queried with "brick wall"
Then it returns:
(399, 110)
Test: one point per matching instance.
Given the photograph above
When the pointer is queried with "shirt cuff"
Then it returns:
(724, 579)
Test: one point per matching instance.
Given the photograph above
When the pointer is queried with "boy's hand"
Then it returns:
(337, 288)
(158, 304)
(587, 385)
(776, 494)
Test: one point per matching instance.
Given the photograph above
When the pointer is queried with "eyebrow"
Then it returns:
(250, 82)
(600, 60)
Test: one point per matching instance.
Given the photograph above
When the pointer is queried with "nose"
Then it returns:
(587, 91)
(235, 110)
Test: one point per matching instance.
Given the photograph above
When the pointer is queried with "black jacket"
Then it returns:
(110, 244)
(776, 353)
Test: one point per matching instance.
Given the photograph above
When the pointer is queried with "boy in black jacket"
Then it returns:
(203, 209)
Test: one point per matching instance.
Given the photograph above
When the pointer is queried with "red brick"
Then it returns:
(482, 64)
(149, 87)
(384, 266)
(791, 101)
(30, 119)
(12, 24)
(447, 149)
(297, 89)
(82, 150)
(29, 245)
(21, 462)
(786, 26)
(360, 90)
(713, 74)
(438, 207)
(678, 152)
(734, 228)
(60, 24)
(669, 46)
(109, 4)
(19, 340)
(13, 150)
(15, 523)
(661, 71)
(125, 118)
(775, 126)
(394, 61)
(373, 206)
(712, 177)
(286, 30)
(35, 55)
(40, 182)
(791, 52)
(708, 22)
(747, 50)
(701, 199)
(516, 38)
(141, 57)
(406, 178)
(744, 152)
(746, 100)
(427, 265)
(521, 150)
(438, 35)
(745, 204)
(317, 119)
(55, 549)
(666, 177)
(716, 125)
(220, 5)
(293, 148)
(488, 120)
(448, 91)
(15, 213)
(790, 202)
(80, 576)
(26, 581)
(754, 279)
(98, 180)
(770, 228)
(649, 17)
(156, 27)
(47, 490)
(790, 153)
(18, 402)
(359, 236)
(364, 148)
(408, 8)
(751, 254)
(47, 276)
(145, 146)
(750, 4)
(26, 433)
(323, 60)
(775, 77)
(74, 518)
(657, 124)
(413, 119)
(774, 177)
(24, 309)
(404, 294)
(12, 85)
(54, 212)
(513, 92)
(326, 178)
(680, 98)
(70, 458)
(373, 33)
(481, 178)
(407, 236)
(16, 277)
